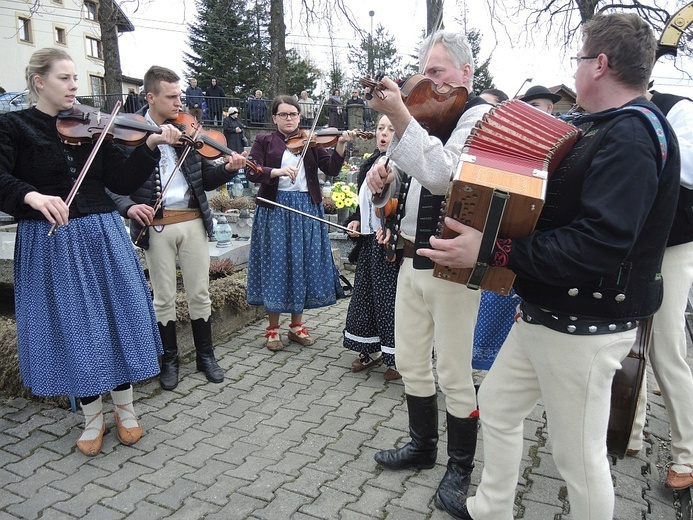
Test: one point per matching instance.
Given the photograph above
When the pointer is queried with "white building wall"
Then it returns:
(66, 14)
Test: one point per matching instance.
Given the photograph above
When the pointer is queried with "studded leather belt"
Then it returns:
(172, 216)
(567, 324)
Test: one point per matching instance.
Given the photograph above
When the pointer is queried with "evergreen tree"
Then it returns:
(482, 76)
(228, 42)
(381, 51)
(300, 74)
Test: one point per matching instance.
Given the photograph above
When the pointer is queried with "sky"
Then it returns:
(160, 38)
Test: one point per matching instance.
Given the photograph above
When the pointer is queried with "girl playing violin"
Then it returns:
(85, 322)
(370, 321)
(290, 267)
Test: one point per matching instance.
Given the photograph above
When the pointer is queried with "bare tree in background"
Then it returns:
(112, 74)
(434, 15)
(277, 31)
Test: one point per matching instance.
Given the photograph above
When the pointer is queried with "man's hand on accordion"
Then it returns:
(459, 252)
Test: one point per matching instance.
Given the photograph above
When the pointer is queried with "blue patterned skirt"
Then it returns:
(85, 321)
(290, 266)
(494, 321)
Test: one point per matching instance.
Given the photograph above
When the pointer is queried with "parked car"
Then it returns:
(12, 101)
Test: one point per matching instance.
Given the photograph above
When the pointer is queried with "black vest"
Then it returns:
(682, 229)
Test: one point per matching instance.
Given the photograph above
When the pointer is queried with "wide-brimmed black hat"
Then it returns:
(539, 92)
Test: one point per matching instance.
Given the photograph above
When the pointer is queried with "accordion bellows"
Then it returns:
(500, 183)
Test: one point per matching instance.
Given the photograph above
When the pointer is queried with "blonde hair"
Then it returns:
(40, 64)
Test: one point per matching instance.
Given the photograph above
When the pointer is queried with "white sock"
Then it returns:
(122, 400)
(93, 420)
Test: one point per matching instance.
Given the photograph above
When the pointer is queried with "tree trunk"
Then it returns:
(277, 34)
(113, 77)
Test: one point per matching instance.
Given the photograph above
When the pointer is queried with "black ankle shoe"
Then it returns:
(207, 364)
(454, 510)
(407, 457)
(168, 378)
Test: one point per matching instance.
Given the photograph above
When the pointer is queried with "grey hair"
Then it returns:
(455, 43)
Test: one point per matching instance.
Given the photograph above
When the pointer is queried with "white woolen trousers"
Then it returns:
(667, 355)
(432, 311)
(187, 241)
(572, 375)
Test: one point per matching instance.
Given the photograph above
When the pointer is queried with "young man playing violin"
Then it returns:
(430, 310)
(180, 229)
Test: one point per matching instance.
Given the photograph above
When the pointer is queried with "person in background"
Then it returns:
(193, 99)
(132, 104)
(85, 322)
(256, 109)
(233, 131)
(588, 273)
(355, 110)
(290, 266)
(178, 233)
(430, 310)
(307, 106)
(667, 352)
(541, 98)
(215, 98)
(370, 322)
(493, 96)
(335, 110)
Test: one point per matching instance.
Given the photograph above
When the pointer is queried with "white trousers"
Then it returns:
(667, 356)
(572, 375)
(432, 311)
(187, 241)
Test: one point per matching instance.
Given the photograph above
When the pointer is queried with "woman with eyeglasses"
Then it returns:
(290, 267)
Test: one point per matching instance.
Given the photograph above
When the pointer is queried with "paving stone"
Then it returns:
(129, 499)
(35, 505)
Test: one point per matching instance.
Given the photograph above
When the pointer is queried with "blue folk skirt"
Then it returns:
(290, 265)
(85, 321)
(494, 321)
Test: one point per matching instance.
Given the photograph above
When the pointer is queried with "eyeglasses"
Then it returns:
(287, 115)
(575, 60)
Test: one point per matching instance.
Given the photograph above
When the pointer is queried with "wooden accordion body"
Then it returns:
(500, 184)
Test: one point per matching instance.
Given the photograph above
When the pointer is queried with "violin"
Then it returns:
(437, 108)
(211, 143)
(84, 124)
(326, 138)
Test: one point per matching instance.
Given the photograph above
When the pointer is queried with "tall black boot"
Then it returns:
(169, 361)
(422, 450)
(452, 490)
(202, 336)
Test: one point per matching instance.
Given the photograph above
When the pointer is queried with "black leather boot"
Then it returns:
(422, 450)
(169, 361)
(452, 490)
(202, 336)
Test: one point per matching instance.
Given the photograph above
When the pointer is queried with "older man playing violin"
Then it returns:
(181, 228)
(430, 311)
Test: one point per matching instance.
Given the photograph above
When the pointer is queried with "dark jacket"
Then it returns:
(267, 152)
(32, 158)
(194, 97)
(201, 174)
(234, 140)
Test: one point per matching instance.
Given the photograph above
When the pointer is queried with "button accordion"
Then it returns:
(500, 184)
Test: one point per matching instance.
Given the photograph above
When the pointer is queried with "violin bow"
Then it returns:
(310, 136)
(189, 145)
(78, 182)
(261, 199)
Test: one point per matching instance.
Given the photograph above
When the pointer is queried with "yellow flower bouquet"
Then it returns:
(345, 195)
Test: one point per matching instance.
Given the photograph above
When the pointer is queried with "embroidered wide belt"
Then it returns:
(572, 324)
(172, 216)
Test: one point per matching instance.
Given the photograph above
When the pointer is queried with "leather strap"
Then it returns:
(172, 216)
(488, 239)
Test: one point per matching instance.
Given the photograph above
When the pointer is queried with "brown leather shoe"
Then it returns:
(274, 339)
(127, 436)
(299, 334)
(679, 480)
(365, 361)
(392, 374)
(92, 447)
(632, 451)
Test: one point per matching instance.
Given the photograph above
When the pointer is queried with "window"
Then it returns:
(94, 48)
(24, 29)
(98, 89)
(60, 36)
(90, 11)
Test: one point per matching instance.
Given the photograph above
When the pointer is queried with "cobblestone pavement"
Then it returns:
(287, 435)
